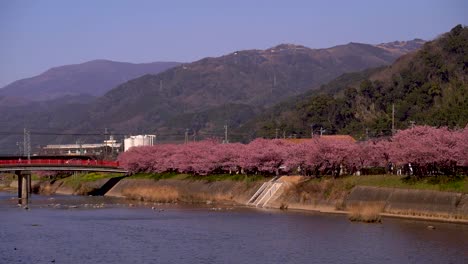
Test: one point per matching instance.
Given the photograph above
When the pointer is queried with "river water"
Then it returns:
(103, 230)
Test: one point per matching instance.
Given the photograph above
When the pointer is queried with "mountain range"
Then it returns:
(92, 78)
(201, 96)
(249, 80)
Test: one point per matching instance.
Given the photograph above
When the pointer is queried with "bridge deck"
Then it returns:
(59, 165)
(59, 168)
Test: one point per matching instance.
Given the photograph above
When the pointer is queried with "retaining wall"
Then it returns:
(184, 190)
(411, 202)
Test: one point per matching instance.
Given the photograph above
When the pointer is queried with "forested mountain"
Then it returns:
(190, 95)
(92, 78)
(427, 87)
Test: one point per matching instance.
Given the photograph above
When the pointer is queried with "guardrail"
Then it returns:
(100, 163)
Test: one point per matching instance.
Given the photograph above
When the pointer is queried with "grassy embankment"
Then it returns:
(5, 180)
(328, 187)
(76, 181)
(434, 183)
(334, 188)
(207, 178)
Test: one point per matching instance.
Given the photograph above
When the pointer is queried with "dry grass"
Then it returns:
(284, 206)
(366, 212)
(162, 194)
(428, 214)
(169, 194)
(202, 197)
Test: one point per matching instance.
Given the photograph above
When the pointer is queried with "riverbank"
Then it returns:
(384, 195)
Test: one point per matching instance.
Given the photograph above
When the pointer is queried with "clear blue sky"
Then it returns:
(37, 35)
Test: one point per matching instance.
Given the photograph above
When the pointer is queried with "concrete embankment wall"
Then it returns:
(411, 202)
(61, 187)
(191, 191)
(310, 195)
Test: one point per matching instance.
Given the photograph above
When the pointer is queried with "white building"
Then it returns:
(140, 140)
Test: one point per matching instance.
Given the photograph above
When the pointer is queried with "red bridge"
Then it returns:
(34, 162)
(78, 163)
(22, 167)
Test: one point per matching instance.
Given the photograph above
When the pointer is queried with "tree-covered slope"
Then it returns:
(427, 87)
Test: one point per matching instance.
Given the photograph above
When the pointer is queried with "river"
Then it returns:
(77, 229)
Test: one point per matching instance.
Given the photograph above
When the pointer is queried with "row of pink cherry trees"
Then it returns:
(429, 150)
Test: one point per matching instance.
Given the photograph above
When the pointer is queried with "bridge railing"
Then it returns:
(100, 163)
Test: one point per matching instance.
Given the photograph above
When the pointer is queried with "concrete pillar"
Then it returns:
(25, 191)
(20, 186)
(29, 177)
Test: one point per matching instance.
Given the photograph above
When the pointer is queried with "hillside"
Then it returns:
(256, 78)
(427, 87)
(93, 78)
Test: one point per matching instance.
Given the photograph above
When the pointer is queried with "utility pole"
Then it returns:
(186, 135)
(276, 133)
(312, 131)
(27, 144)
(80, 146)
(321, 131)
(367, 133)
(105, 145)
(226, 134)
(393, 119)
(284, 134)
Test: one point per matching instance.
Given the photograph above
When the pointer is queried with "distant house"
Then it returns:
(347, 138)
(343, 138)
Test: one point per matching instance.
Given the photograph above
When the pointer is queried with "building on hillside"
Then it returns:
(139, 140)
(341, 138)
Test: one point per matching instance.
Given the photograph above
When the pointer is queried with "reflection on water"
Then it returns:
(103, 230)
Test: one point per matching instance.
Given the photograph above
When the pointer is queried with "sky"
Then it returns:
(38, 35)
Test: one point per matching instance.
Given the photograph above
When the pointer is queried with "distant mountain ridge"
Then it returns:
(92, 78)
(402, 47)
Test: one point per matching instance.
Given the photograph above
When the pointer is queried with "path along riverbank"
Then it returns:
(297, 193)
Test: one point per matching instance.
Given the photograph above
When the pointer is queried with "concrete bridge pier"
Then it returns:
(20, 186)
(24, 187)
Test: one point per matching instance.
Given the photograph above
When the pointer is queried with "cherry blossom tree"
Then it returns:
(429, 150)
